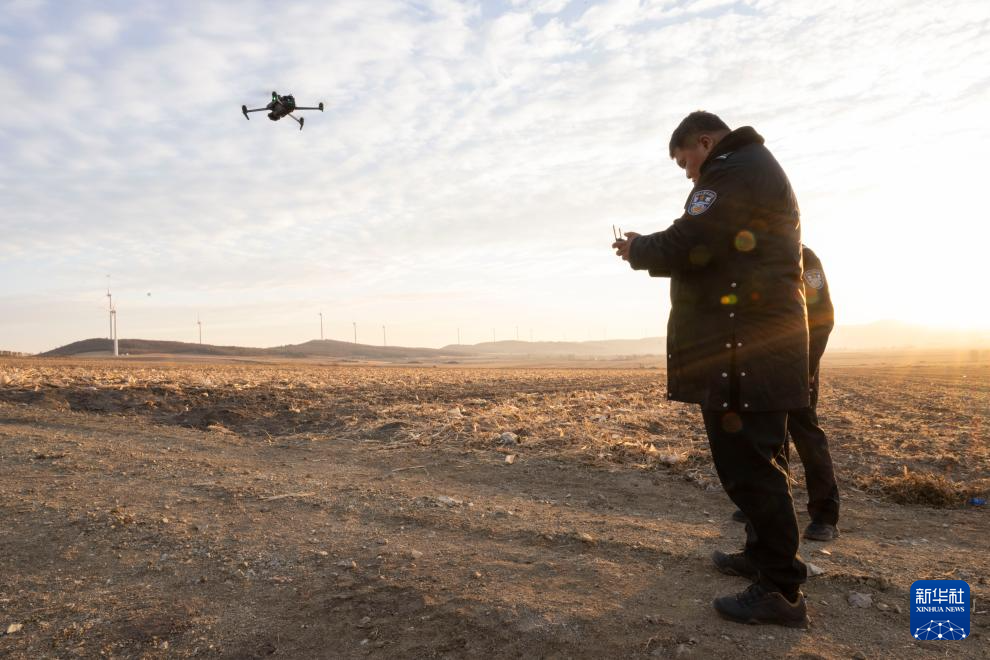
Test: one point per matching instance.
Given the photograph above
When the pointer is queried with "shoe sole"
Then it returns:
(804, 623)
(815, 537)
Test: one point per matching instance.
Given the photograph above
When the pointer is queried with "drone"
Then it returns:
(281, 106)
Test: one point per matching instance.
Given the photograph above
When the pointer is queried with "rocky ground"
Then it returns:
(157, 510)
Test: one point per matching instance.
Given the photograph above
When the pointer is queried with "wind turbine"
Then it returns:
(113, 320)
(110, 307)
(321, 326)
(200, 324)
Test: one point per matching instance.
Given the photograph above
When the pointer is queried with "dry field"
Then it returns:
(155, 509)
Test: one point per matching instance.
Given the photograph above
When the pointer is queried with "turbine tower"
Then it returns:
(200, 324)
(321, 326)
(113, 320)
(384, 341)
(110, 308)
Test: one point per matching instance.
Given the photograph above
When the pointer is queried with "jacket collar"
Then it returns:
(737, 139)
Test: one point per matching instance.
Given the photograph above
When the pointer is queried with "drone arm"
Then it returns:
(319, 107)
(244, 109)
(301, 121)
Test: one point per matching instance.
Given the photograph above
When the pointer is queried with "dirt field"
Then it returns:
(150, 509)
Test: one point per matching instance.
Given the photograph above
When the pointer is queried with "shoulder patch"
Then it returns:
(814, 278)
(701, 201)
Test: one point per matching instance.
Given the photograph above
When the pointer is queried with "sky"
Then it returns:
(470, 164)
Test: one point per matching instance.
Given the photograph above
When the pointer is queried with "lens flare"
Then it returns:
(700, 255)
(745, 241)
(731, 423)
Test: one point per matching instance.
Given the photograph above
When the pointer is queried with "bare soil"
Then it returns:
(153, 509)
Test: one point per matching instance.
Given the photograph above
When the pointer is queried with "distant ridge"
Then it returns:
(145, 346)
(317, 348)
(879, 336)
(894, 335)
(599, 348)
(330, 348)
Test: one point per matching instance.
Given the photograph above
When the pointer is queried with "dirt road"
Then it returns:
(127, 537)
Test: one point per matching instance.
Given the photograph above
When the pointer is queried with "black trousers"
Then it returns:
(749, 452)
(812, 446)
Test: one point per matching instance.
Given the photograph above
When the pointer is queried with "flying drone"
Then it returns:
(281, 106)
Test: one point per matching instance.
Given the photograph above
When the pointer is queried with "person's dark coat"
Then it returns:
(821, 315)
(737, 337)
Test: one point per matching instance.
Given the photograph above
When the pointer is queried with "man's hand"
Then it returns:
(622, 246)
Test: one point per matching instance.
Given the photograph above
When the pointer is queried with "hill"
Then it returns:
(318, 348)
(888, 335)
(602, 348)
(147, 346)
(346, 350)
(873, 337)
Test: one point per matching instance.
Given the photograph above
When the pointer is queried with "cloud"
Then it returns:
(479, 143)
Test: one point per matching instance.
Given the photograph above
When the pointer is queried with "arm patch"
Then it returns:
(701, 201)
(814, 278)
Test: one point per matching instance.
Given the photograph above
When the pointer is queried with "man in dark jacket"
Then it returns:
(737, 343)
(802, 424)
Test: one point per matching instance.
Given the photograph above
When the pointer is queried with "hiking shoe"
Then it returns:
(739, 516)
(821, 532)
(759, 605)
(736, 563)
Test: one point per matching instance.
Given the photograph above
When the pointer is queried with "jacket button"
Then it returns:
(745, 405)
(732, 315)
(728, 345)
(670, 355)
(725, 375)
(733, 285)
(725, 405)
(743, 373)
(739, 344)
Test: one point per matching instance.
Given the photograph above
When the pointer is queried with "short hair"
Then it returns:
(692, 126)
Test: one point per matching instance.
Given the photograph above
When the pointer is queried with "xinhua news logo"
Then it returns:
(940, 609)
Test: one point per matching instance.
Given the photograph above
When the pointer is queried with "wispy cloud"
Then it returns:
(472, 156)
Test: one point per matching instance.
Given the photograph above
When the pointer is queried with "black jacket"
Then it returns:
(737, 337)
(821, 315)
